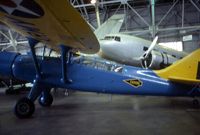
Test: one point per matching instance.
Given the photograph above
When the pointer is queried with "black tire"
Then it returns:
(24, 108)
(45, 101)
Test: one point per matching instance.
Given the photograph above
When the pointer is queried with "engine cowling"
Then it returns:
(158, 60)
(6, 63)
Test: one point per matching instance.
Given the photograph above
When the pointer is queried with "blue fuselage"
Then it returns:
(103, 79)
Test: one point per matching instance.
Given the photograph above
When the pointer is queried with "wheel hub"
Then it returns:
(23, 108)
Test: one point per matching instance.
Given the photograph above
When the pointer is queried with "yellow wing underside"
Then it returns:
(60, 24)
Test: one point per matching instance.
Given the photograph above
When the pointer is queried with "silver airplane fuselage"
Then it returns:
(128, 49)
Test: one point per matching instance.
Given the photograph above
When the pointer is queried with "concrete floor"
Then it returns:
(99, 114)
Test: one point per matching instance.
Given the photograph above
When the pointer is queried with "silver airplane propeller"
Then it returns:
(146, 56)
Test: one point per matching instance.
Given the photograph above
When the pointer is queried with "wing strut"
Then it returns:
(65, 59)
(32, 43)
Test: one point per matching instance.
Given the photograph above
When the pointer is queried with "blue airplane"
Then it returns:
(44, 21)
(97, 76)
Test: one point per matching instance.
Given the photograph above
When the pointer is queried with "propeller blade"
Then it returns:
(145, 64)
(153, 44)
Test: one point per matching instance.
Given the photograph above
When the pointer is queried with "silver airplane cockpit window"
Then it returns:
(112, 38)
(117, 39)
(109, 38)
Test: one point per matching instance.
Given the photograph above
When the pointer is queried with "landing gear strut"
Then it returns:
(24, 108)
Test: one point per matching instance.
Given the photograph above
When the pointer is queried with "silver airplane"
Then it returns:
(131, 50)
(136, 51)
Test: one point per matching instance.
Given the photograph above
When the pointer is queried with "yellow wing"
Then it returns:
(54, 22)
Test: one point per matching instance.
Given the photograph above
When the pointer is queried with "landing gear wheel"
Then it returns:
(195, 103)
(24, 108)
(45, 101)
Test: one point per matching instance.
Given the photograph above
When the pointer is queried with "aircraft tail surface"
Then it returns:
(186, 70)
(112, 25)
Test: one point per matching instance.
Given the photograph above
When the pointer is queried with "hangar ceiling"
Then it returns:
(170, 19)
(144, 16)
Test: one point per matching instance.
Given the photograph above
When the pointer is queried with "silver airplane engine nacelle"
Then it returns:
(158, 60)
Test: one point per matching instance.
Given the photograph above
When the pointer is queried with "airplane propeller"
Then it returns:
(146, 57)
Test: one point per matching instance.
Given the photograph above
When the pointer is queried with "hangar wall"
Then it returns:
(189, 46)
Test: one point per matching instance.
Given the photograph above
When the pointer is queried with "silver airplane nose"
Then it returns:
(109, 49)
(104, 45)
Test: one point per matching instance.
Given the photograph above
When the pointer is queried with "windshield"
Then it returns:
(116, 38)
(100, 64)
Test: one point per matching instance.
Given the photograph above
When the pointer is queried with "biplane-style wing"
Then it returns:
(49, 21)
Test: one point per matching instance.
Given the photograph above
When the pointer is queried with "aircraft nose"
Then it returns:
(106, 46)
(6, 62)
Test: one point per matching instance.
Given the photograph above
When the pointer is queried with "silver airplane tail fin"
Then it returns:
(112, 25)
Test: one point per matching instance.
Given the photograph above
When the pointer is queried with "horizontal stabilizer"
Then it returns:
(183, 80)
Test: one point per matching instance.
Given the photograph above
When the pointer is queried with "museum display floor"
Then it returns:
(100, 114)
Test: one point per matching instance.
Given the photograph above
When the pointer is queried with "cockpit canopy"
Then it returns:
(100, 64)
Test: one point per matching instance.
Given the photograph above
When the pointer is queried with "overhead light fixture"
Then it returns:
(93, 2)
